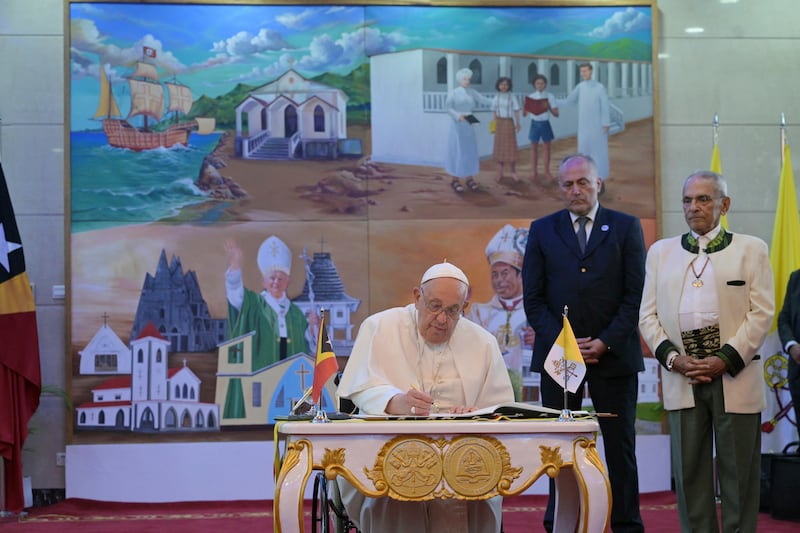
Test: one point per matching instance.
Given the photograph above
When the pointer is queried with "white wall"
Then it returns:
(244, 471)
(743, 66)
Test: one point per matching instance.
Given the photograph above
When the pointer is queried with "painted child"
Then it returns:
(507, 124)
(541, 131)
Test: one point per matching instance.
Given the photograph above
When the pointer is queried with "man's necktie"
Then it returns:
(582, 233)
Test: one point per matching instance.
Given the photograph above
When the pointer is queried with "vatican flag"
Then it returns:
(784, 256)
(564, 362)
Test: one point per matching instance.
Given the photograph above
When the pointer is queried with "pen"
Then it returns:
(434, 404)
(302, 399)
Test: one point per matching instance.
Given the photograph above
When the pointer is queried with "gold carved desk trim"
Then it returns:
(466, 460)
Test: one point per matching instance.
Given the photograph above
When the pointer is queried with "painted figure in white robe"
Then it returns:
(593, 118)
(282, 329)
(415, 360)
(504, 315)
(462, 161)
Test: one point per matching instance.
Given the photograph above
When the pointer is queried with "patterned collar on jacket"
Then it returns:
(720, 242)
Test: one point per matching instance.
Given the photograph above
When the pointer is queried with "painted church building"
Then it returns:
(257, 398)
(105, 354)
(291, 117)
(153, 398)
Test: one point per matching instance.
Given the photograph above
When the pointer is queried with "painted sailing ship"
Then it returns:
(148, 101)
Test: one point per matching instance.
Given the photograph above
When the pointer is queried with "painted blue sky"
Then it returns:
(212, 48)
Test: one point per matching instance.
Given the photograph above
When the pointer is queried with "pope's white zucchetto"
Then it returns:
(445, 270)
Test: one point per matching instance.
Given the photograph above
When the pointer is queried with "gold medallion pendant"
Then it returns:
(697, 283)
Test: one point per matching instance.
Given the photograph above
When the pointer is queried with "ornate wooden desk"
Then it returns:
(465, 459)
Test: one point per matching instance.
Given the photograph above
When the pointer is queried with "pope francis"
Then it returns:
(415, 360)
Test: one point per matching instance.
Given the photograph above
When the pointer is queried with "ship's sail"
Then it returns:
(147, 98)
(180, 97)
(107, 107)
(205, 125)
(145, 71)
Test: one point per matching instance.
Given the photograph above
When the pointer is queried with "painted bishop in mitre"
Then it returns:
(504, 315)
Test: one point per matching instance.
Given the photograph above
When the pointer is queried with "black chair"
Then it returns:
(345, 404)
(327, 510)
(328, 514)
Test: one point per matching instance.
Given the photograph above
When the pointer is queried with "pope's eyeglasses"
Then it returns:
(435, 308)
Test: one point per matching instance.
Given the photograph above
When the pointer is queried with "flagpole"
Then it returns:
(783, 136)
(309, 282)
(715, 124)
(716, 164)
(566, 414)
(320, 416)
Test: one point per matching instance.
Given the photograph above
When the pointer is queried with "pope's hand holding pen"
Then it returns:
(419, 402)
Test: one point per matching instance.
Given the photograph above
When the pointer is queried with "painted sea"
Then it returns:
(113, 187)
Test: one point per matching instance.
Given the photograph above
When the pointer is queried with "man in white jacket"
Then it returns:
(707, 306)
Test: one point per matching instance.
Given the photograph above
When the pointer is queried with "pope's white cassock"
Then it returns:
(389, 356)
(593, 117)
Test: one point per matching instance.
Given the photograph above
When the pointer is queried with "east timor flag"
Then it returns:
(326, 365)
(20, 378)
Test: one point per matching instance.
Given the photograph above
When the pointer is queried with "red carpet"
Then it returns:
(522, 514)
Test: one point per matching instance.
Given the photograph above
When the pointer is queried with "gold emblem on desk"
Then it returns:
(474, 465)
(422, 468)
(412, 467)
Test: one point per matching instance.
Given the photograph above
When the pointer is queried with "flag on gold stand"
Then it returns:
(20, 374)
(564, 361)
(326, 365)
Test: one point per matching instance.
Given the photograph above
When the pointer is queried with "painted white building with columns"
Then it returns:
(409, 89)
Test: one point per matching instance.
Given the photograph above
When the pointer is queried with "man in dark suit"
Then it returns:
(600, 281)
(789, 332)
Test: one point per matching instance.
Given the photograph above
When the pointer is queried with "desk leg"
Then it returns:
(568, 503)
(583, 494)
(595, 490)
(290, 488)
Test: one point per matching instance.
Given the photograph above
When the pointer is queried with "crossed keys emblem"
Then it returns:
(561, 367)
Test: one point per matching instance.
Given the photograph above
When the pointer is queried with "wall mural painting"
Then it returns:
(230, 163)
